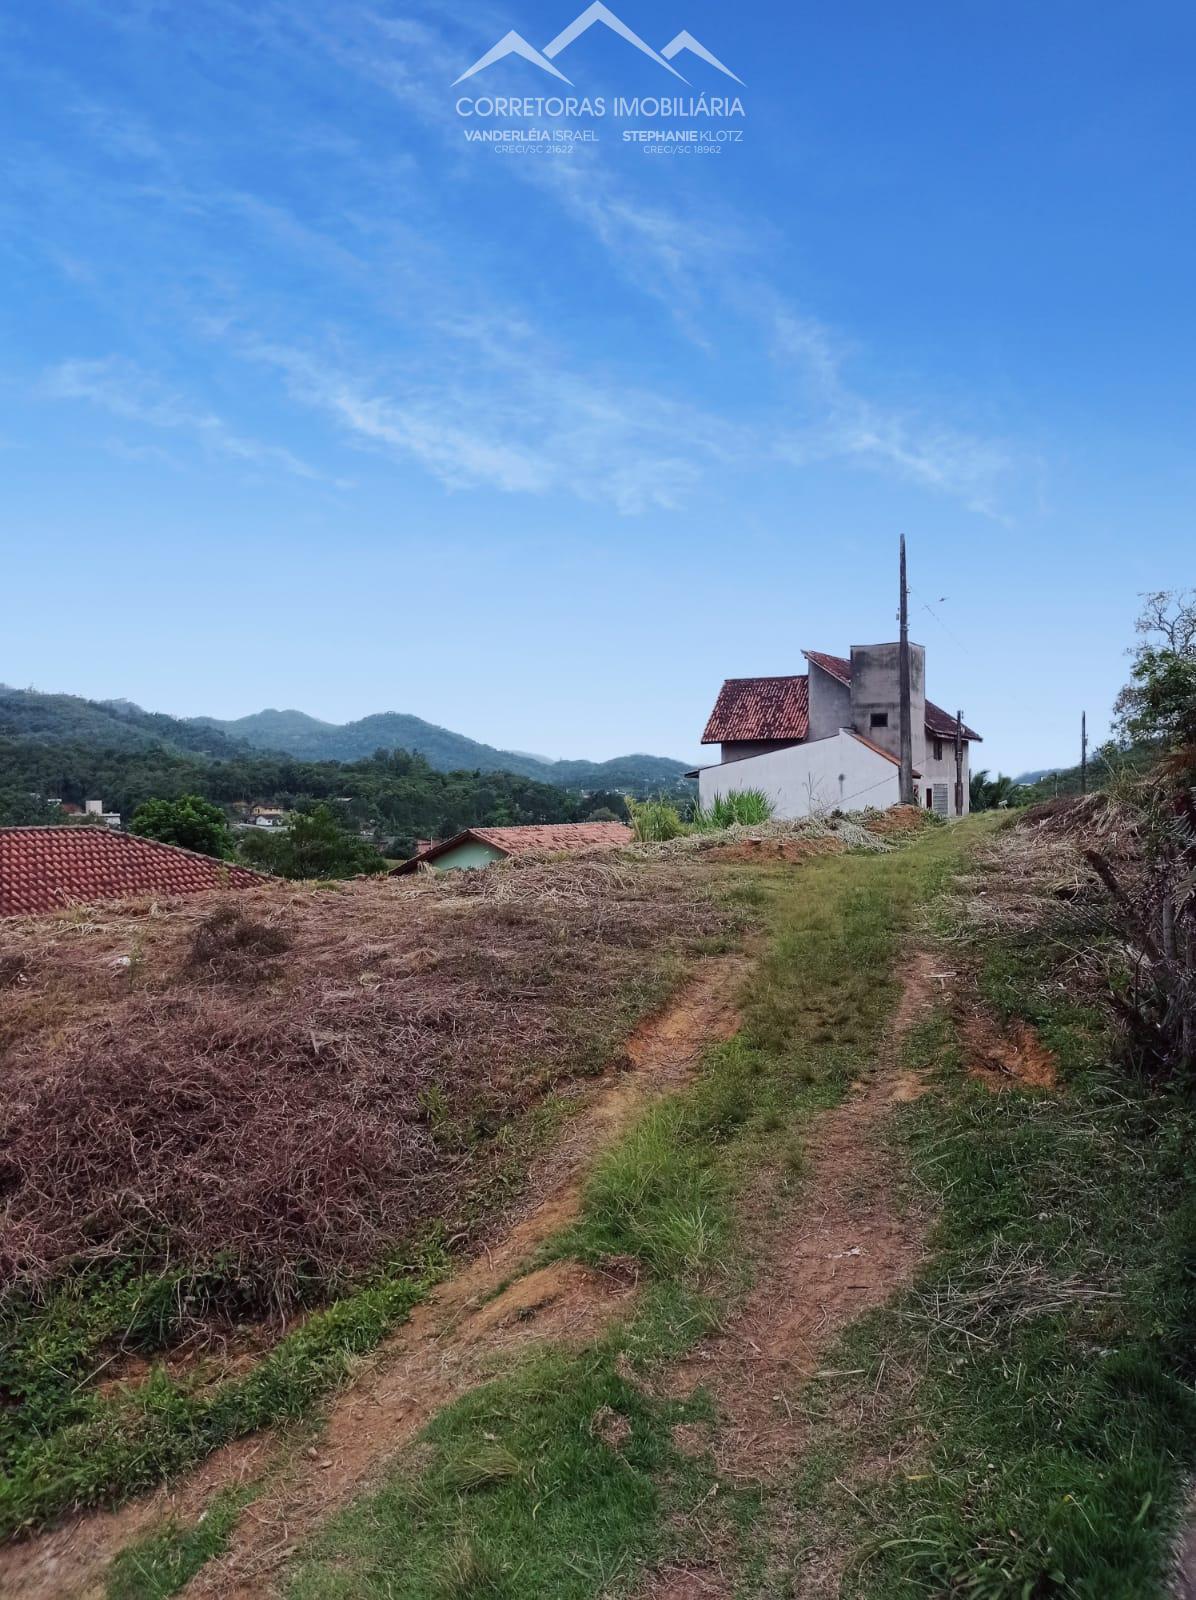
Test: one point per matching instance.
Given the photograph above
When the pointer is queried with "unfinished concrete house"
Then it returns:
(828, 739)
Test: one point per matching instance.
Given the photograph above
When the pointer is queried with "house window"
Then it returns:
(938, 749)
(930, 799)
(879, 719)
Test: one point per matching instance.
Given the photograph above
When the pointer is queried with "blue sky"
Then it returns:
(305, 400)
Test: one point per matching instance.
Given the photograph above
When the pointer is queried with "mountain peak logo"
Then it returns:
(514, 44)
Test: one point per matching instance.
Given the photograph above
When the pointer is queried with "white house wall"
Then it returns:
(832, 774)
(943, 771)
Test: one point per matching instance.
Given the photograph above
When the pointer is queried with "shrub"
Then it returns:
(655, 820)
(746, 807)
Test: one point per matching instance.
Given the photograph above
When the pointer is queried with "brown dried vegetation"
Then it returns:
(288, 1084)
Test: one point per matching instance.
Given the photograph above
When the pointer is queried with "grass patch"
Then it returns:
(524, 1493)
(117, 1444)
(165, 1561)
(1035, 1388)
(570, 1515)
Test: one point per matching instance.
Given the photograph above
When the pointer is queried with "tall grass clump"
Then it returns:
(654, 821)
(747, 807)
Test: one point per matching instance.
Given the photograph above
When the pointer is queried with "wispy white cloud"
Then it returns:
(126, 390)
(463, 378)
(554, 432)
(840, 422)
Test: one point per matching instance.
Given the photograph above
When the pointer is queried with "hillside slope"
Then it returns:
(102, 725)
(106, 725)
(307, 737)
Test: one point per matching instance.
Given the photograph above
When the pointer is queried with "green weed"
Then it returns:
(118, 1443)
(165, 1561)
(743, 806)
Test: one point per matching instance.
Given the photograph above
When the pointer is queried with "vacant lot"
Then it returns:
(219, 1113)
(884, 1294)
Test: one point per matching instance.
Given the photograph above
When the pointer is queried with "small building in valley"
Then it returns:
(269, 817)
(50, 868)
(479, 847)
(828, 739)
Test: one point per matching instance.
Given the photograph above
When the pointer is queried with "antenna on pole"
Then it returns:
(1083, 752)
(903, 694)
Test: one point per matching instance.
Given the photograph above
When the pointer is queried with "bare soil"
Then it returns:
(1183, 1577)
(769, 851)
(450, 1342)
(1005, 1058)
(844, 1249)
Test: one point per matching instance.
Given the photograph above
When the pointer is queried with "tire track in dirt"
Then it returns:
(843, 1250)
(449, 1343)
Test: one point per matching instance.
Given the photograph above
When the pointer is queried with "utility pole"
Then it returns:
(1083, 752)
(959, 763)
(903, 693)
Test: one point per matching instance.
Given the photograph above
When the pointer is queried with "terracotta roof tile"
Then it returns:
(554, 836)
(838, 666)
(779, 708)
(548, 838)
(942, 724)
(45, 869)
(760, 708)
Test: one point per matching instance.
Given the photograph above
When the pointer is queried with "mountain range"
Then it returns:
(121, 725)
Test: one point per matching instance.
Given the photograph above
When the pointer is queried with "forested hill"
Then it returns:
(27, 714)
(312, 740)
(106, 725)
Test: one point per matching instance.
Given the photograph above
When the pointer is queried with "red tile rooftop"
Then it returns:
(753, 709)
(549, 838)
(46, 869)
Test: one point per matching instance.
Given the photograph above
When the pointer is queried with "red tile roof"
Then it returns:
(554, 836)
(45, 869)
(838, 666)
(779, 708)
(760, 708)
(549, 838)
(942, 724)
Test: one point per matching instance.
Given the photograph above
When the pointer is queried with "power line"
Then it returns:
(927, 607)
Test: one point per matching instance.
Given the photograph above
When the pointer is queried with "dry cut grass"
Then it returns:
(281, 1087)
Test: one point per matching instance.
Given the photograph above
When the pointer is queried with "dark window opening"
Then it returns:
(879, 719)
(938, 749)
(930, 799)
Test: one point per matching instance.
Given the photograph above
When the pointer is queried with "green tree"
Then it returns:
(1158, 705)
(986, 794)
(19, 809)
(188, 821)
(314, 845)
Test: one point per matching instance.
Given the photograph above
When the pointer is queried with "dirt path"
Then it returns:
(844, 1250)
(448, 1344)
(1183, 1575)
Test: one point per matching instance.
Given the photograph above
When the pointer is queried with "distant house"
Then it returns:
(47, 869)
(829, 739)
(269, 817)
(95, 808)
(479, 847)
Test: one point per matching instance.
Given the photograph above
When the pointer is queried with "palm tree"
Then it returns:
(987, 794)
